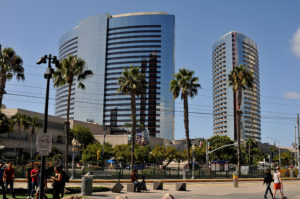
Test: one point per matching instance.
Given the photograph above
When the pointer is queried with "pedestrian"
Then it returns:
(64, 178)
(268, 180)
(2, 180)
(9, 178)
(34, 179)
(29, 180)
(56, 182)
(278, 182)
(134, 180)
(38, 190)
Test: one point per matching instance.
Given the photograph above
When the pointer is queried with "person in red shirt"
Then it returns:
(34, 179)
(9, 178)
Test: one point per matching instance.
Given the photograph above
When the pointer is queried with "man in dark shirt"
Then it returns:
(1, 180)
(134, 180)
(9, 177)
(28, 177)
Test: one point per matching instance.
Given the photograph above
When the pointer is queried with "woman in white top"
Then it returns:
(277, 182)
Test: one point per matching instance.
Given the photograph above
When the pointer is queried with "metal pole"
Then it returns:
(206, 152)
(295, 146)
(104, 134)
(47, 76)
(193, 168)
(279, 155)
(73, 157)
(298, 150)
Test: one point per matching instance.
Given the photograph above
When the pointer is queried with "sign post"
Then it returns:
(44, 143)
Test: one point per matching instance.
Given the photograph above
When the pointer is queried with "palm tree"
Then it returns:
(21, 120)
(70, 69)
(132, 82)
(5, 124)
(186, 84)
(240, 79)
(10, 65)
(33, 124)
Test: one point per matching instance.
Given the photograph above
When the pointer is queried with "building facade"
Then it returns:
(109, 44)
(230, 50)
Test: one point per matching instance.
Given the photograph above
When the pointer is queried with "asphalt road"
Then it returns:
(203, 190)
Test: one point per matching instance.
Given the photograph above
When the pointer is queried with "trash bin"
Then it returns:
(87, 184)
(184, 174)
(235, 180)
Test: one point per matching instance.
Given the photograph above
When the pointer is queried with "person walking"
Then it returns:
(64, 178)
(9, 178)
(56, 183)
(278, 182)
(39, 186)
(268, 180)
(34, 179)
(29, 180)
(2, 180)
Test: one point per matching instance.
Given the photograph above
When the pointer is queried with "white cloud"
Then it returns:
(291, 95)
(296, 43)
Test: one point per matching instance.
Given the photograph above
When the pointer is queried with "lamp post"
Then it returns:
(74, 144)
(193, 162)
(47, 76)
(278, 148)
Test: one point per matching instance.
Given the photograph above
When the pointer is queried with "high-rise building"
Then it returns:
(230, 50)
(109, 44)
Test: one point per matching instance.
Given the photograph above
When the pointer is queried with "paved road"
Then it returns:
(208, 190)
(225, 190)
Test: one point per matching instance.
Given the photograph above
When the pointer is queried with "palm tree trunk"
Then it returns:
(67, 126)
(31, 148)
(133, 130)
(186, 126)
(2, 87)
(239, 113)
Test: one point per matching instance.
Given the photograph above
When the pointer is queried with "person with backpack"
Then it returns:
(268, 180)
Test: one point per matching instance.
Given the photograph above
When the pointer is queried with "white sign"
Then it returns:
(44, 143)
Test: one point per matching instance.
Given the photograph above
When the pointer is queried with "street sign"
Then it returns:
(44, 143)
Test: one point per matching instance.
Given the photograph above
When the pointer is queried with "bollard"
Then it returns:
(87, 185)
(235, 181)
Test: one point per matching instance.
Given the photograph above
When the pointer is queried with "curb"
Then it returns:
(168, 180)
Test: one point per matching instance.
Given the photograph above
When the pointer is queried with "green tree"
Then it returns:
(90, 153)
(122, 153)
(240, 79)
(186, 84)
(223, 154)
(142, 153)
(70, 70)
(34, 124)
(158, 154)
(83, 135)
(10, 65)
(132, 82)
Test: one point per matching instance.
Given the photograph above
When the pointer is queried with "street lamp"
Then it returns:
(104, 135)
(74, 145)
(193, 168)
(47, 76)
(278, 148)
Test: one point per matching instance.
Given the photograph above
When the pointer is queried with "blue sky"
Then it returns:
(33, 28)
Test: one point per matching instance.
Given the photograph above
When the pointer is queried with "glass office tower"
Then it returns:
(109, 44)
(234, 49)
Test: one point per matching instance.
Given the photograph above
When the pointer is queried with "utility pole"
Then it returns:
(298, 155)
(295, 146)
(207, 152)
